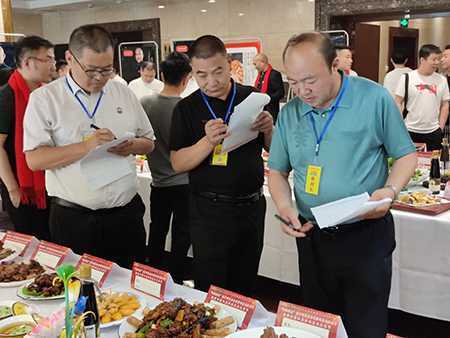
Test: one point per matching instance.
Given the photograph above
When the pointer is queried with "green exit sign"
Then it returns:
(404, 22)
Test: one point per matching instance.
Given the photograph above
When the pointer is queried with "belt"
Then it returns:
(215, 197)
(64, 203)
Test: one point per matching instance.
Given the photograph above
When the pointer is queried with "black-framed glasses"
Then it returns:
(49, 59)
(93, 73)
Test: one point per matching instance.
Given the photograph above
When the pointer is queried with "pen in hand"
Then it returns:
(93, 126)
(281, 219)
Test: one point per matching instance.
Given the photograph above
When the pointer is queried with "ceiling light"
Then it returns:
(161, 6)
(241, 14)
(203, 10)
(311, 0)
(212, 1)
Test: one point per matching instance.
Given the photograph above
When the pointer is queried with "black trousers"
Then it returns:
(167, 202)
(227, 239)
(349, 273)
(115, 234)
(433, 140)
(27, 219)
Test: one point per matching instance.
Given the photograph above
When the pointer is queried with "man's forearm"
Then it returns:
(280, 190)
(267, 140)
(142, 146)
(189, 158)
(6, 173)
(443, 115)
(402, 171)
(46, 157)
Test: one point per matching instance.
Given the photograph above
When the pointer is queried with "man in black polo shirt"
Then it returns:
(227, 207)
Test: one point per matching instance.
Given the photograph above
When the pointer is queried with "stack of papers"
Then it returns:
(346, 210)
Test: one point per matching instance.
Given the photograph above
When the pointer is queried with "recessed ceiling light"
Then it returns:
(311, 0)
(212, 1)
(241, 14)
(161, 6)
(203, 10)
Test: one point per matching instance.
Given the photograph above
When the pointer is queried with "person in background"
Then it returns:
(3, 65)
(5, 70)
(62, 68)
(392, 78)
(270, 82)
(345, 59)
(191, 87)
(147, 83)
(23, 190)
(445, 67)
(116, 77)
(344, 269)
(169, 197)
(428, 97)
(227, 207)
(64, 121)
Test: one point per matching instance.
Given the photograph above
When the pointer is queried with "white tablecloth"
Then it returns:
(421, 264)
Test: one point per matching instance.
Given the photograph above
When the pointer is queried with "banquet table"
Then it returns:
(421, 260)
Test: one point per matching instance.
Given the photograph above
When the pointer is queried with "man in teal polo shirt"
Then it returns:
(336, 136)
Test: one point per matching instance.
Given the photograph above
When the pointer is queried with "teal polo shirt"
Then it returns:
(367, 128)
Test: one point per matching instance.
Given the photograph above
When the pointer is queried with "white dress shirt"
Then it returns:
(141, 88)
(54, 117)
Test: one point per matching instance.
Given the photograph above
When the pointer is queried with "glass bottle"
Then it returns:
(91, 321)
(435, 173)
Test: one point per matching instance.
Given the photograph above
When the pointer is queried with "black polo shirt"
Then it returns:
(244, 173)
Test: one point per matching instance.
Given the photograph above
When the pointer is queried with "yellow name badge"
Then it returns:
(313, 179)
(218, 158)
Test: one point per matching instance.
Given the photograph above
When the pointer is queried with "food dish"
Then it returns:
(420, 199)
(16, 327)
(420, 176)
(16, 274)
(180, 319)
(7, 254)
(115, 307)
(44, 287)
(278, 332)
(9, 308)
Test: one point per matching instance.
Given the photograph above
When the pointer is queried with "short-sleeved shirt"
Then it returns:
(425, 96)
(159, 110)
(393, 77)
(367, 128)
(244, 173)
(55, 118)
(141, 88)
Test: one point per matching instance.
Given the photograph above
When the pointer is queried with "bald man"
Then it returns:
(269, 81)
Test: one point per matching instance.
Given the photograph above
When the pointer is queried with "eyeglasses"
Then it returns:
(93, 73)
(49, 59)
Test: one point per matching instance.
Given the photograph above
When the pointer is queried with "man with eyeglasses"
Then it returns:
(67, 119)
(22, 190)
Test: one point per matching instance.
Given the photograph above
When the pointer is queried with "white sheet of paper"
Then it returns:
(346, 210)
(101, 167)
(245, 113)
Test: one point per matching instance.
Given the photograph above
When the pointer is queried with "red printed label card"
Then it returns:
(17, 242)
(240, 307)
(149, 280)
(324, 325)
(50, 255)
(101, 268)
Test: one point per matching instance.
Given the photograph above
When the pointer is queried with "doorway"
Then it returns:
(407, 40)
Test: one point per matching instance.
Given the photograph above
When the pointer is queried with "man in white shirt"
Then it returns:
(392, 78)
(148, 83)
(118, 78)
(345, 60)
(428, 98)
(64, 121)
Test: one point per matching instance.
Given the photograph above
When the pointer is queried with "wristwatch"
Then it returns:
(394, 189)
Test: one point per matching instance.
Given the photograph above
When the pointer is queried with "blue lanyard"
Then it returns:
(320, 137)
(89, 114)
(230, 106)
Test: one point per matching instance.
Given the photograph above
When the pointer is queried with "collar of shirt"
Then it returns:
(346, 101)
(77, 89)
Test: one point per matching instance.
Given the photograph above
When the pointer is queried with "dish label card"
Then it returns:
(50, 255)
(149, 280)
(17, 242)
(240, 307)
(324, 325)
(101, 268)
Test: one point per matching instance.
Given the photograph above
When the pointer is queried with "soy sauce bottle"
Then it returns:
(435, 173)
(91, 321)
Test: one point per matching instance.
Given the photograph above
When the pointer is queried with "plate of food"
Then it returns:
(10, 308)
(178, 318)
(273, 332)
(420, 199)
(44, 287)
(420, 176)
(16, 274)
(17, 326)
(114, 307)
(6, 254)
